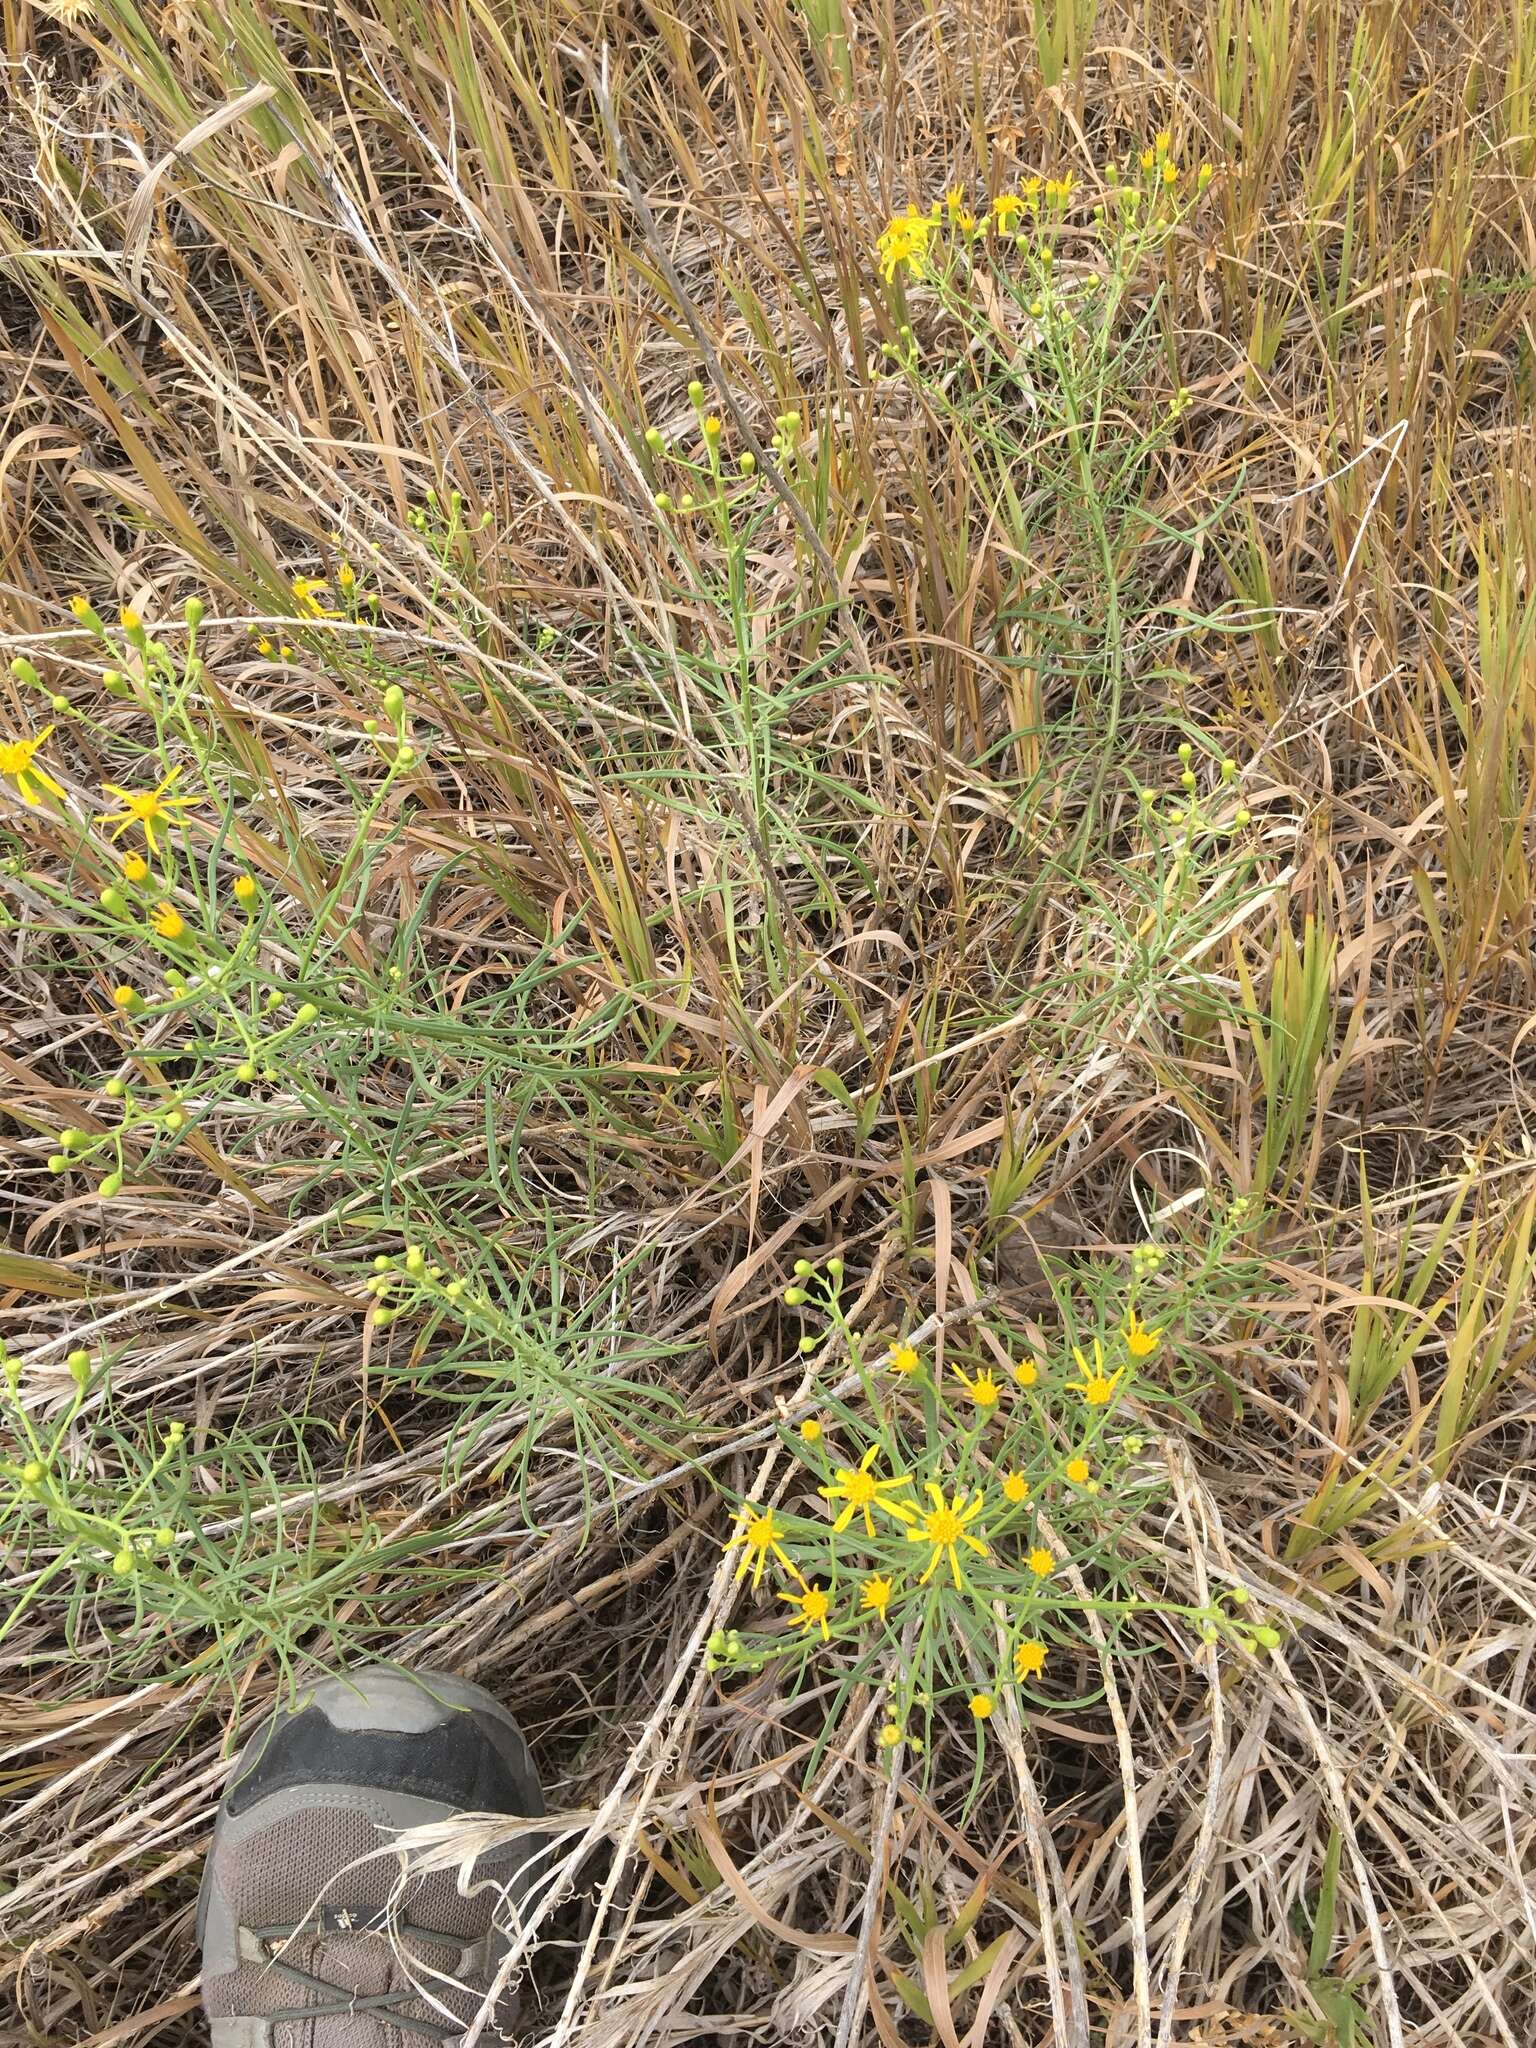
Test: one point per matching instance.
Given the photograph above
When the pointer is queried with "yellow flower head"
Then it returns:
(1170, 172)
(168, 921)
(811, 1610)
(146, 808)
(304, 588)
(810, 1429)
(860, 1491)
(1148, 159)
(983, 1391)
(904, 241)
(1026, 1372)
(875, 1595)
(1164, 141)
(1006, 208)
(1139, 1340)
(1077, 1471)
(903, 1360)
(1041, 1562)
(135, 867)
(889, 1735)
(1015, 1487)
(17, 766)
(981, 1705)
(245, 889)
(946, 1528)
(759, 1537)
(1096, 1386)
(954, 202)
(1028, 1659)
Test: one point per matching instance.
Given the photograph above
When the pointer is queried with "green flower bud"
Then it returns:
(803, 1269)
(122, 1564)
(306, 1013)
(165, 1537)
(31, 1472)
(655, 440)
(112, 1184)
(394, 702)
(193, 612)
(113, 901)
(24, 672)
(695, 391)
(794, 1296)
(57, 1163)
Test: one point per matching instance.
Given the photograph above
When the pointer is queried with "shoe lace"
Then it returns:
(339, 1920)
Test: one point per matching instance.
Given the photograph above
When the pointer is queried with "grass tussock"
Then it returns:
(768, 878)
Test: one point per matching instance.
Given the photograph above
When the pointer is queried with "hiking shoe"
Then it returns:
(300, 1949)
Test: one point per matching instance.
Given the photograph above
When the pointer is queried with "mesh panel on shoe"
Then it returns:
(283, 1871)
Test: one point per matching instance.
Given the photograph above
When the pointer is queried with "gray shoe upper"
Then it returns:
(302, 1950)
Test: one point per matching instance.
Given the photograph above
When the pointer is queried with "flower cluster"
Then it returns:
(909, 241)
(157, 896)
(120, 1541)
(962, 1492)
(711, 486)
